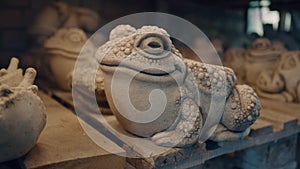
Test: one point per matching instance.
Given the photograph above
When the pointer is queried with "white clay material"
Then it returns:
(282, 82)
(63, 49)
(22, 115)
(182, 120)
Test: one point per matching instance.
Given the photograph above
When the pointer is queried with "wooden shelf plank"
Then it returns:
(190, 158)
(64, 144)
(277, 120)
(280, 120)
(291, 109)
(261, 127)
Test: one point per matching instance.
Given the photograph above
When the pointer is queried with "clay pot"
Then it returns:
(22, 114)
(63, 49)
(22, 119)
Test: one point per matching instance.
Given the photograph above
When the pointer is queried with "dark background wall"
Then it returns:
(17, 15)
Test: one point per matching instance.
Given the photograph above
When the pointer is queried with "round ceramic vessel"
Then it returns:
(22, 119)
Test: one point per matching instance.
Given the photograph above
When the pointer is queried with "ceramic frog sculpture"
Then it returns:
(148, 58)
(62, 50)
(282, 82)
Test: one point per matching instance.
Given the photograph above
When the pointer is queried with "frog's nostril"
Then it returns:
(154, 44)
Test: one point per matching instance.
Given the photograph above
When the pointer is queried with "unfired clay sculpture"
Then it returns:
(249, 63)
(132, 50)
(59, 15)
(11, 76)
(282, 82)
(63, 49)
(22, 113)
(261, 56)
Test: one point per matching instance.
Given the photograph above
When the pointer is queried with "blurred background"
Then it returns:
(234, 23)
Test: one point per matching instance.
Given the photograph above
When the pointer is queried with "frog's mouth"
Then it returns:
(153, 60)
(151, 70)
(146, 73)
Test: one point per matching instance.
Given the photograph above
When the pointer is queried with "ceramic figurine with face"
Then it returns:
(261, 56)
(62, 50)
(149, 59)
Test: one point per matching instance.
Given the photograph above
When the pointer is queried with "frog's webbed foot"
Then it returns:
(223, 134)
(168, 138)
(241, 110)
(187, 130)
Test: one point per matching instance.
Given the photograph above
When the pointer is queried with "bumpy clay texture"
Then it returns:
(63, 49)
(22, 113)
(282, 82)
(149, 55)
(59, 15)
(81, 80)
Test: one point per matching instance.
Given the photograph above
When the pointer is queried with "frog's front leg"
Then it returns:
(187, 130)
(241, 110)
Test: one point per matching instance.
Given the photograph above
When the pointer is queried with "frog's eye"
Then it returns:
(154, 44)
(261, 43)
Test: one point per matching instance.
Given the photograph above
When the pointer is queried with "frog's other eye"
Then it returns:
(154, 44)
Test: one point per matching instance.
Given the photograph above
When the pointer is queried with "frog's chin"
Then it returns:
(147, 75)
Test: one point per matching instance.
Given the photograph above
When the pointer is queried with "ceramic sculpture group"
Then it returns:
(269, 68)
(59, 31)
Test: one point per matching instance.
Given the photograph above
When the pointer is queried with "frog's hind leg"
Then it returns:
(187, 130)
(241, 110)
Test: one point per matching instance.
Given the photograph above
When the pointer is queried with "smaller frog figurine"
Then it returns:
(283, 82)
(62, 50)
(139, 64)
(249, 63)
